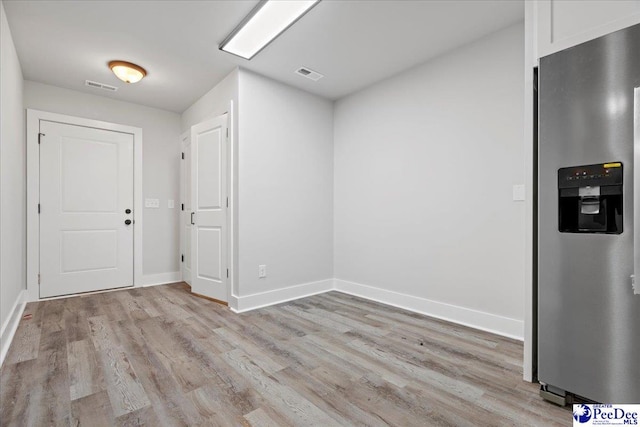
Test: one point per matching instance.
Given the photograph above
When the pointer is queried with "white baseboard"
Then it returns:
(160, 279)
(241, 304)
(10, 326)
(511, 328)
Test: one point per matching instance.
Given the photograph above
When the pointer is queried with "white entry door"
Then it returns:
(186, 209)
(86, 209)
(209, 208)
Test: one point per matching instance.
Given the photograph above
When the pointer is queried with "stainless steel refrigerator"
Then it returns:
(588, 183)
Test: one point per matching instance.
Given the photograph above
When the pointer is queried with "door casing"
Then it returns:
(185, 193)
(33, 191)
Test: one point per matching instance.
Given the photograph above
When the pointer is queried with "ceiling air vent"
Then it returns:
(100, 86)
(309, 73)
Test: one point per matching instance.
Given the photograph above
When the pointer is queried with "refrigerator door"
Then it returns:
(588, 315)
(636, 193)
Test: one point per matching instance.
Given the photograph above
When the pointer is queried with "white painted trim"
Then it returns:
(231, 192)
(500, 325)
(160, 279)
(265, 299)
(530, 61)
(33, 191)
(495, 324)
(183, 197)
(10, 326)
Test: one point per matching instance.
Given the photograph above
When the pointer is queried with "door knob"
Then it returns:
(127, 221)
(127, 211)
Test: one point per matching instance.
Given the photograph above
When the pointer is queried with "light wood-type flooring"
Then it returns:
(160, 356)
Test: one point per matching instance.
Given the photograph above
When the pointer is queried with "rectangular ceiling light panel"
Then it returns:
(266, 22)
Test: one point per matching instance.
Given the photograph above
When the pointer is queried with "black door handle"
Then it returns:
(127, 211)
(127, 221)
(192, 223)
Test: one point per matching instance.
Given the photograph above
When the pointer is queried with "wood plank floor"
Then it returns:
(159, 356)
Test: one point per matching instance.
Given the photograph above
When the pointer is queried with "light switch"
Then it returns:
(518, 193)
(170, 204)
(152, 203)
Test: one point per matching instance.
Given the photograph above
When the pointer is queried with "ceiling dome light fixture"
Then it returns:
(127, 72)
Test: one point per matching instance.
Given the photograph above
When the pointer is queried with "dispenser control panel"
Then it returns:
(601, 174)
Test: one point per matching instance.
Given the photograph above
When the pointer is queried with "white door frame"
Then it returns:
(184, 179)
(33, 191)
(231, 192)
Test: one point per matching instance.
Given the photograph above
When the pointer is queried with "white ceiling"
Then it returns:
(352, 42)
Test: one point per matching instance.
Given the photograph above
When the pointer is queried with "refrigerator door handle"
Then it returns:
(635, 278)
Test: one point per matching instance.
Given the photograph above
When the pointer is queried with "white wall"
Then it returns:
(285, 187)
(213, 103)
(12, 177)
(161, 165)
(424, 168)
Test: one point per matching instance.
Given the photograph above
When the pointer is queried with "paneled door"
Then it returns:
(209, 203)
(86, 209)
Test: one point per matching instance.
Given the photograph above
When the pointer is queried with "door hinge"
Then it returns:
(40, 135)
(38, 208)
(38, 278)
(182, 206)
(227, 202)
(181, 258)
(182, 156)
(227, 133)
(227, 273)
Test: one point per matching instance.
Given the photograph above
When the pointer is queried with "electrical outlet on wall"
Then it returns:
(262, 271)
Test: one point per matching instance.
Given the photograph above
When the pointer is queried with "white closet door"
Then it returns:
(86, 188)
(209, 208)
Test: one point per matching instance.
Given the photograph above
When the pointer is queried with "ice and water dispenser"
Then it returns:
(590, 199)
